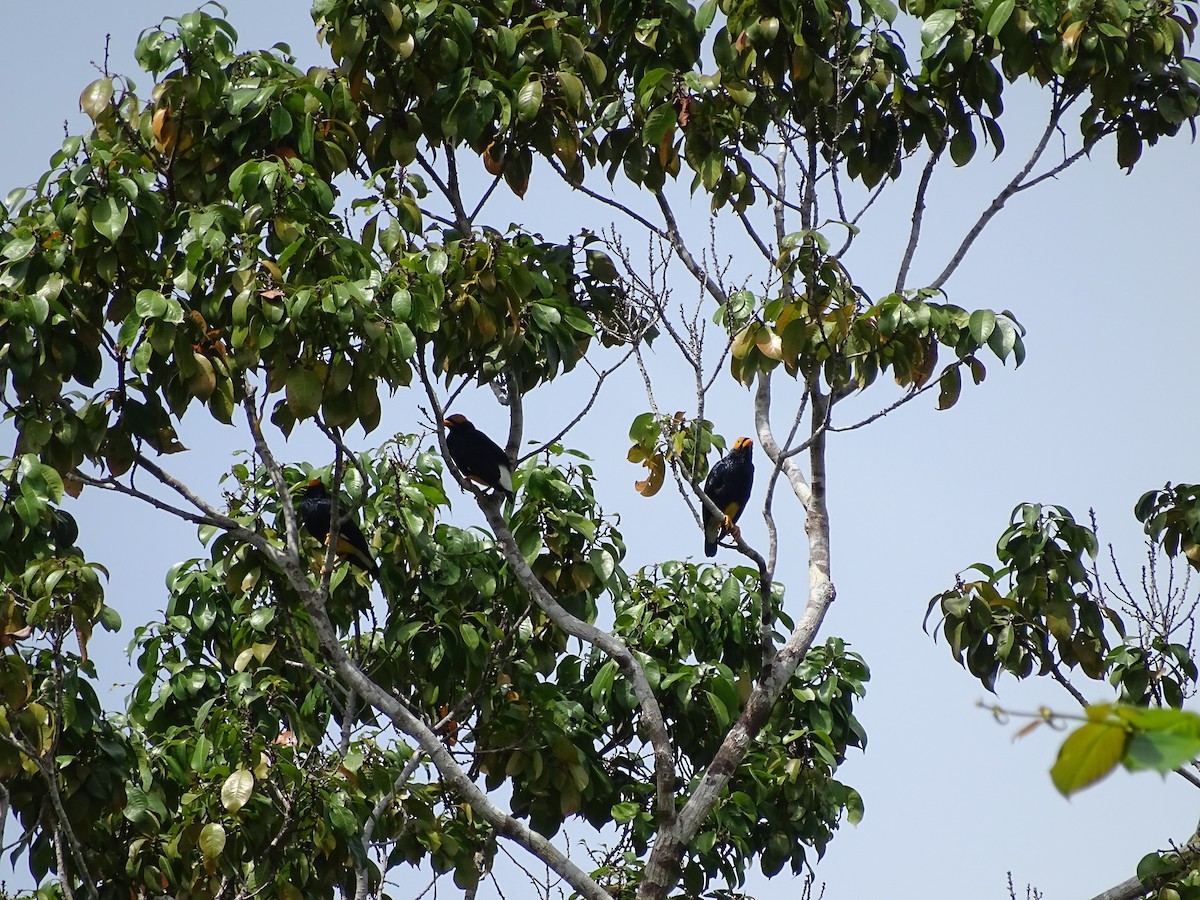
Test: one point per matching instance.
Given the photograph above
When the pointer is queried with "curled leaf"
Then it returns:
(651, 485)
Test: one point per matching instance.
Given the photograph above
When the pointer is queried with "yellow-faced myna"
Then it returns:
(316, 508)
(477, 455)
(728, 486)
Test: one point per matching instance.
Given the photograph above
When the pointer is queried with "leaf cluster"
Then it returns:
(1160, 740)
(696, 627)
(659, 441)
(1171, 519)
(830, 330)
(1038, 610)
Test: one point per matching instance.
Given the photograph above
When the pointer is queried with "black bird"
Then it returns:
(477, 455)
(728, 486)
(316, 509)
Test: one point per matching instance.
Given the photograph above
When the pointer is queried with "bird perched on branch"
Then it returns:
(728, 486)
(477, 456)
(316, 510)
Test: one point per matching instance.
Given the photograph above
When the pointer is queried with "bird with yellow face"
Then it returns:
(728, 486)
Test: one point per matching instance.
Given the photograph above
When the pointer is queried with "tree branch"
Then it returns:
(684, 255)
(662, 868)
(457, 779)
(1126, 890)
(1013, 187)
(600, 377)
(918, 214)
(361, 879)
(609, 201)
(613, 647)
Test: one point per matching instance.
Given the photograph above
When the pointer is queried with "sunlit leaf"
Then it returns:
(95, 98)
(1088, 754)
(236, 791)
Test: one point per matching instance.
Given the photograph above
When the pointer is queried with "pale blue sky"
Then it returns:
(1100, 267)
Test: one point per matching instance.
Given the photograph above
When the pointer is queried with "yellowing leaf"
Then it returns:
(1071, 35)
(212, 845)
(745, 340)
(236, 790)
(1028, 729)
(493, 158)
(654, 481)
(769, 343)
(166, 131)
(1088, 754)
(204, 381)
(949, 388)
(95, 98)
(243, 660)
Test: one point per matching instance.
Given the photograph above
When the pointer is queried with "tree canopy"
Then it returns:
(277, 250)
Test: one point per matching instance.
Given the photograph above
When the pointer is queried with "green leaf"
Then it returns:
(885, 9)
(29, 509)
(110, 619)
(981, 325)
(529, 100)
(19, 247)
(1000, 16)
(594, 69)
(603, 681)
(962, 146)
(950, 387)
(1129, 145)
(342, 819)
(405, 341)
(137, 805)
(470, 635)
(40, 307)
(1162, 751)
(150, 305)
(603, 563)
(854, 807)
(436, 262)
(1088, 754)
(937, 26)
(1003, 339)
(705, 14)
(659, 123)
(624, 812)
(303, 392)
(571, 88)
(109, 218)
(1152, 865)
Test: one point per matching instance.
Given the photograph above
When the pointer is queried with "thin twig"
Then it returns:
(600, 377)
(1012, 188)
(918, 214)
